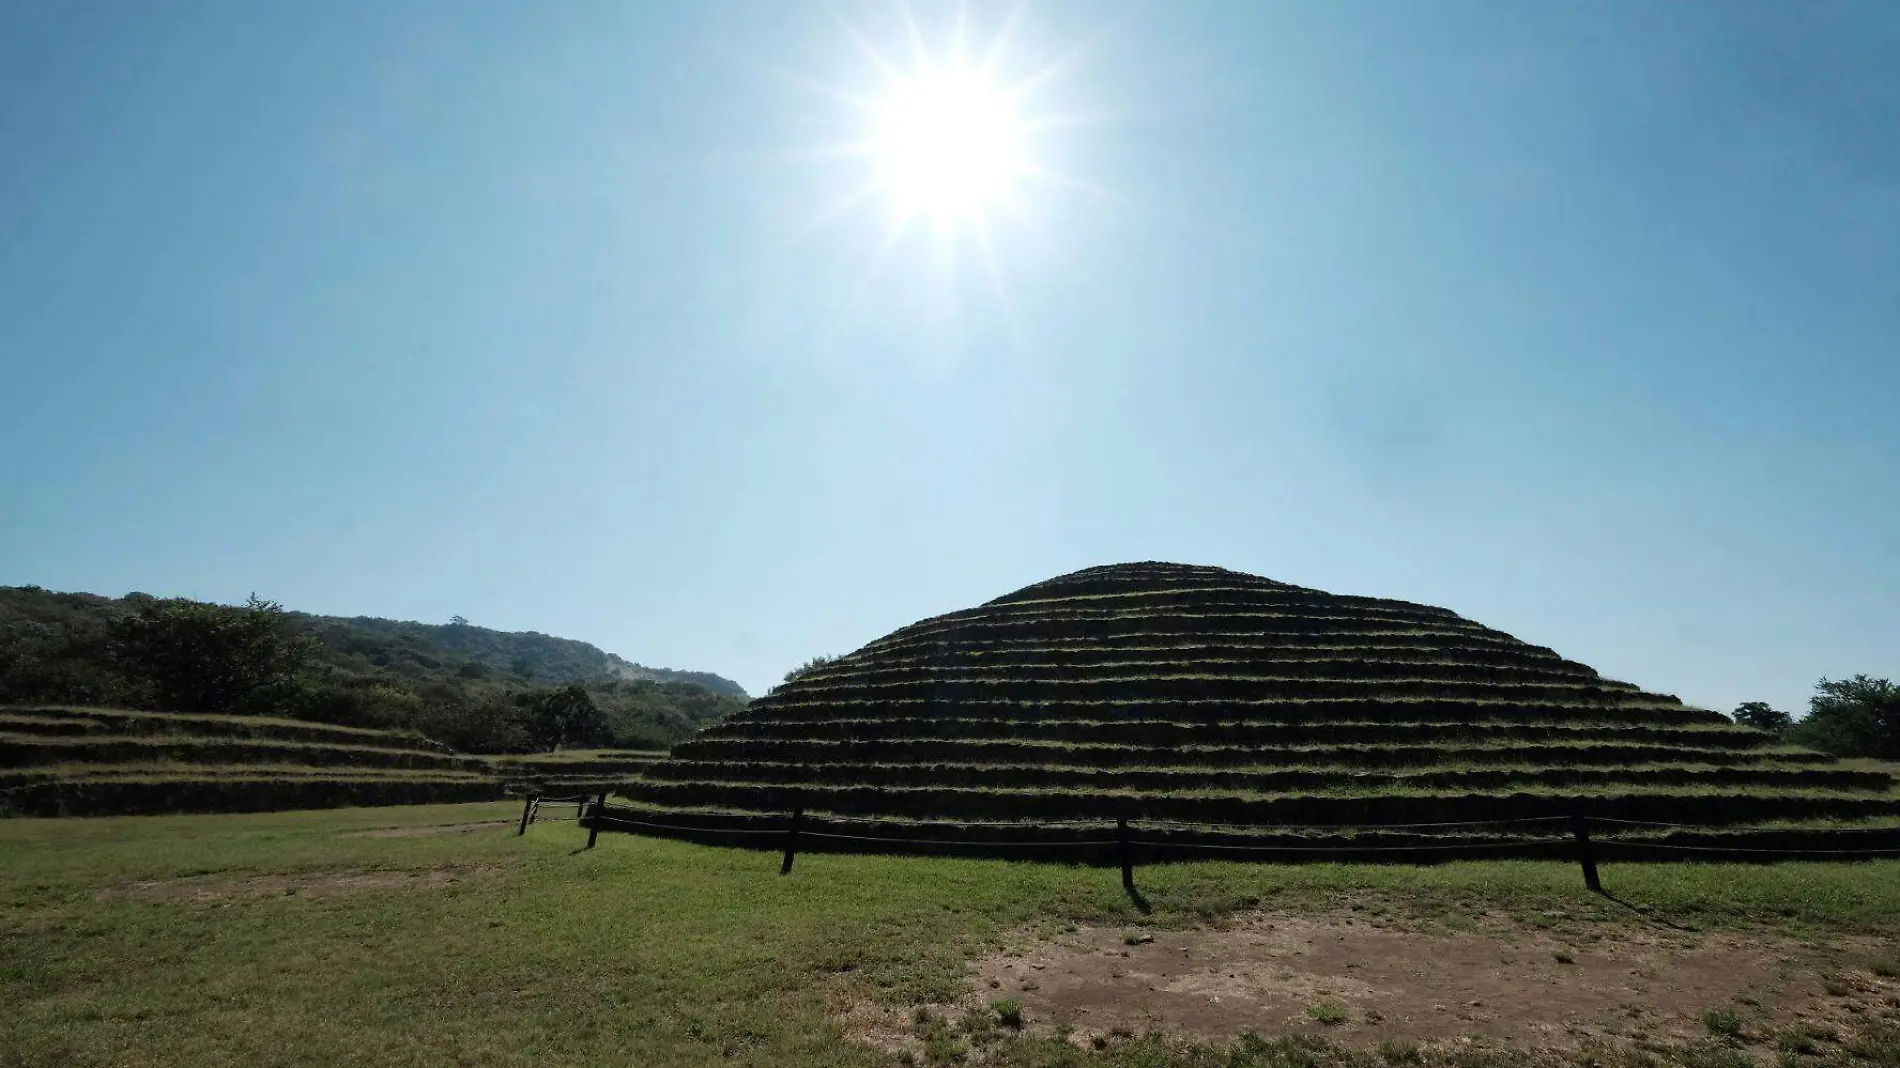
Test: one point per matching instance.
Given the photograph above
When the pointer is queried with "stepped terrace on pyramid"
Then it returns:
(1216, 699)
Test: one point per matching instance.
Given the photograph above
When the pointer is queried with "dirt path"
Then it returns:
(1361, 984)
(439, 828)
(312, 885)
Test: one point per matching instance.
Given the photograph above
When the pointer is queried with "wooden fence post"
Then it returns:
(593, 828)
(1126, 851)
(791, 840)
(527, 810)
(1580, 828)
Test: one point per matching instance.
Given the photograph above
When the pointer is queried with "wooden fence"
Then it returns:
(1132, 840)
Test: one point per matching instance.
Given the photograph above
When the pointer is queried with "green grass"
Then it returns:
(1328, 1013)
(1803, 1038)
(645, 952)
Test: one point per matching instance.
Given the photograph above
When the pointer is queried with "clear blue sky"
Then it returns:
(1580, 320)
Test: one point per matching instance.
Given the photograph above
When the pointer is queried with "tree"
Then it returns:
(1759, 715)
(458, 621)
(563, 716)
(200, 657)
(451, 683)
(1853, 717)
(469, 720)
(809, 666)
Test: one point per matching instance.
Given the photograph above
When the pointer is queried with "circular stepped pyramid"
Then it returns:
(1165, 692)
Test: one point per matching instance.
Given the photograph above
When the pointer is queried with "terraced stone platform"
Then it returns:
(1167, 692)
(57, 761)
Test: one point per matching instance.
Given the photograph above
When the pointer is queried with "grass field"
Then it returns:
(336, 938)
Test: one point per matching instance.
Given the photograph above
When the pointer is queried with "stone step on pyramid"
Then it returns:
(1182, 693)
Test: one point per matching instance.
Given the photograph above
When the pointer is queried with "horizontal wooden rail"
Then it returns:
(1131, 839)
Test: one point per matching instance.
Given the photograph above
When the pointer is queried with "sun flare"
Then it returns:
(950, 149)
(947, 144)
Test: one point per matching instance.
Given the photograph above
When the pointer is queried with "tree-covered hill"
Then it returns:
(474, 688)
(538, 658)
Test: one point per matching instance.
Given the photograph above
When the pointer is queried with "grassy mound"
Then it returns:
(1166, 692)
(85, 761)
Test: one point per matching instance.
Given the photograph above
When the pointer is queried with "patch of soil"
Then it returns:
(312, 885)
(883, 1027)
(432, 829)
(1275, 974)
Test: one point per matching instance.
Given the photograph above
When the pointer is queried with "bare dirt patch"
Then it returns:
(311, 885)
(1360, 984)
(432, 829)
(884, 1027)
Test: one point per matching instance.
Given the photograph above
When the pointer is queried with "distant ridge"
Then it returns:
(547, 660)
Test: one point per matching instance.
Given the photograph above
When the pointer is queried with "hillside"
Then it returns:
(470, 687)
(1172, 693)
(534, 657)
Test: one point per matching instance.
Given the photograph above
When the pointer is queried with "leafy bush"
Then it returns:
(1858, 717)
(1328, 1013)
(1725, 1024)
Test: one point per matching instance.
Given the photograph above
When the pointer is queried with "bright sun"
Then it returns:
(947, 131)
(947, 144)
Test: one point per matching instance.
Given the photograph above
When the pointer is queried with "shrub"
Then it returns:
(1008, 1012)
(1802, 1038)
(1328, 1013)
(1879, 1043)
(1393, 1051)
(1725, 1024)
